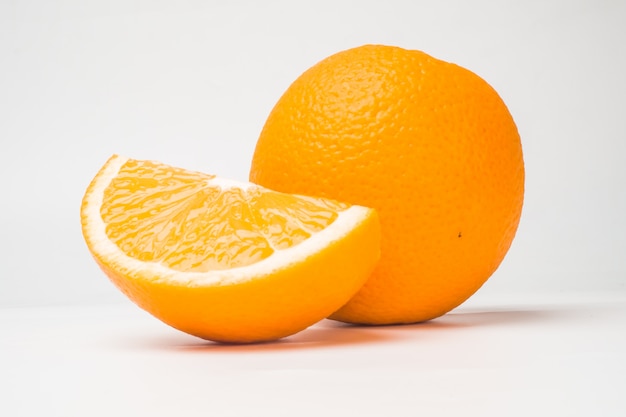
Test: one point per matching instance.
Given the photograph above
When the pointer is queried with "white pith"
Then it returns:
(95, 233)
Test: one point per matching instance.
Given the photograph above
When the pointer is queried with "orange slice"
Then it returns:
(225, 260)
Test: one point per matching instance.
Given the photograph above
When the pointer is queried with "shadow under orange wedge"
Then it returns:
(224, 260)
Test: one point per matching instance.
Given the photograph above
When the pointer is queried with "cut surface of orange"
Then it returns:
(225, 260)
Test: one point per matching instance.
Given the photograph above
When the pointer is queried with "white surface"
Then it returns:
(557, 355)
(191, 83)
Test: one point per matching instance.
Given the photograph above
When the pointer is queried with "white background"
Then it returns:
(191, 83)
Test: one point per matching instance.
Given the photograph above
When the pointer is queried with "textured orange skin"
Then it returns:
(427, 143)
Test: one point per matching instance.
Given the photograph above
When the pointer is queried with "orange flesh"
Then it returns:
(157, 213)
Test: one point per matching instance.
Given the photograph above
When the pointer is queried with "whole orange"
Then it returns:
(427, 143)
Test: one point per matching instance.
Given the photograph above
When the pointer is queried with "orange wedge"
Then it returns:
(225, 260)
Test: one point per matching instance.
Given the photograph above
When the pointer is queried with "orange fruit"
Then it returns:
(225, 260)
(430, 145)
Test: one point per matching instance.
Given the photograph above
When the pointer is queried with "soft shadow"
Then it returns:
(325, 334)
(329, 333)
(497, 317)
(467, 319)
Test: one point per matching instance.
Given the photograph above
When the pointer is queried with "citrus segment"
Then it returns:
(225, 260)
